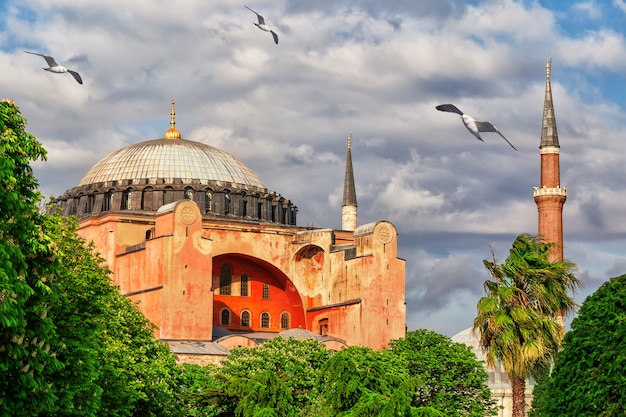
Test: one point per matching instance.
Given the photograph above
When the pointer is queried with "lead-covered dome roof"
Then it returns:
(171, 158)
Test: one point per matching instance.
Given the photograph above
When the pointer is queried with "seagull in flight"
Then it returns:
(56, 68)
(474, 126)
(261, 25)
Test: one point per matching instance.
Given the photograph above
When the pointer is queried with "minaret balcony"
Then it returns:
(549, 191)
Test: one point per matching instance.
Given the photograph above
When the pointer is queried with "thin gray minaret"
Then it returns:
(348, 207)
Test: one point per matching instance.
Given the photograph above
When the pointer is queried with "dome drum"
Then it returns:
(247, 203)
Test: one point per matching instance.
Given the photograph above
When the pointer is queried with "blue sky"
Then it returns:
(373, 68)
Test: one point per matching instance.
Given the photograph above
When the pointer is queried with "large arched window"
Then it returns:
(226, 277)
(284, 321)
(245, 285)
(245, 318)
(225, 317)
(266, 292)
(265, 320)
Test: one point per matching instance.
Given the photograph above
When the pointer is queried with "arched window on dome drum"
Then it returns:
(265, 320)
(259, 210)
(127, 199)
(90, 200)
(146, 198)
(168, 195)
(284, 321)
(188, 193)
(226, 276)
(244, 207)
(225, 317)
(106, 201)
(245, 318)
(245, 285)
(207, 201)
(226, 203)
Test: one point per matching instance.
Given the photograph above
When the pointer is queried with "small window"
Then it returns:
(207, 202)
(225, 317)
(226, 203)
(266, 291)
(265, 320)
(106, 202)
(323, 327)
(245, 319)
(188, 194)
(244, 208)
(284, 321)
(244, 285)
(226, 274)
(127, 199)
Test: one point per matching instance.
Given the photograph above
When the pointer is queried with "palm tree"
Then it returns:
(521, 317)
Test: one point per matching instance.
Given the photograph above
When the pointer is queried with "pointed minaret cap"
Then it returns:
(172, 132)
(549, 135)
(349, 189)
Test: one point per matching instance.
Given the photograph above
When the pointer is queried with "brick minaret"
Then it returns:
(348, 206)
(550, 196)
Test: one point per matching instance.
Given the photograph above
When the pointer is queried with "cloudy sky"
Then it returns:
(375, 68)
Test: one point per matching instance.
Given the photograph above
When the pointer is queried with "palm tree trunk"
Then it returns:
(519, 397)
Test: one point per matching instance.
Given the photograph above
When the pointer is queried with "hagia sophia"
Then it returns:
(216, 260)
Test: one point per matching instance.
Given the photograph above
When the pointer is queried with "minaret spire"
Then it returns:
(172, 132)
(550, 196)
(349, 206)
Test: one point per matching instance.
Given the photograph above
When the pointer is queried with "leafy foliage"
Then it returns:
(27, 347)
(70, 344)
(450, 377)
(358, 381)
(588, 377)
(520, 318)
(276, 377)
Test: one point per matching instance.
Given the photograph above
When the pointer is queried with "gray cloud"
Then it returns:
(376, 69)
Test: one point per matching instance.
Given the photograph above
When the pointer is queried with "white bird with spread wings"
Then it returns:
(261, 25)
(474, 126)
(56, 68)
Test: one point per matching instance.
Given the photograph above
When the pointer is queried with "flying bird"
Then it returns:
(474, 126)
(261, 25)
(56, 68)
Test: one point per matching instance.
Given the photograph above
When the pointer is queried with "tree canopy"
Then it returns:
(588, 376)
(520, 317)
(70, 344)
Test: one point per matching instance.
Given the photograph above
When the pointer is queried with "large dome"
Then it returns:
(143, 177)
(167, 158)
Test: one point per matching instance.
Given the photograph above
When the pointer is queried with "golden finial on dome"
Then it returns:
(172, 132)
(349, 140)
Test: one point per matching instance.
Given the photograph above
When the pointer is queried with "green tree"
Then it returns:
(451, 378)
(358, 382)
(112, 363)
(27, 335)
(70, 344)
(588, 378)
(520, 317)
(276, 378)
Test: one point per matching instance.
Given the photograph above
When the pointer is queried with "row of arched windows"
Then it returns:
(226, 281)
(246, 317)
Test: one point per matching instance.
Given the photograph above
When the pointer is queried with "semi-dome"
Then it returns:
(167, 158)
